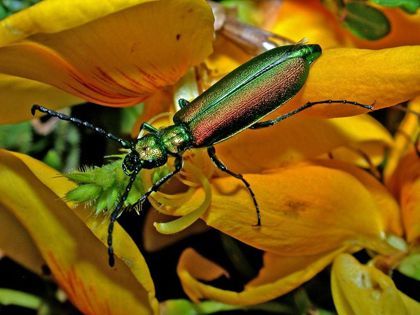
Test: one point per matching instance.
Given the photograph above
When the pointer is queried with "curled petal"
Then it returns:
(359, 289)
(192, 216)
(114, 59)
(305, 210)
(279, 276)
(299, 138)
(75, 253)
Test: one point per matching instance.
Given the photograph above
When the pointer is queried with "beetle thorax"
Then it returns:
(151, 151)
(176, 138)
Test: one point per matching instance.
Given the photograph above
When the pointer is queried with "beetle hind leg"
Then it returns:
(274, 121)
(212, 153)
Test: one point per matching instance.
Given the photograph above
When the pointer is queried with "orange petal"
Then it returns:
(305, 210)
(309, 20)
(405, 139)
(18, 94)
(75, 253)
(300, 138)
(113, 59)
(406, 185)
(279, 275)
(359, 289)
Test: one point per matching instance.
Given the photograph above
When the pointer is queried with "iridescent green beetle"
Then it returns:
(237, 102)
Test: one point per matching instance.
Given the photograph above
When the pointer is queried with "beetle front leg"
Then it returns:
(212, 153)
(160, 182)
(148, 127)
(115, 214)
(274, 121)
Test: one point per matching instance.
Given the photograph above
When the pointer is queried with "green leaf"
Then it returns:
(13, 297)
(17, 137)
(365, 21)
(185, 307)
(52, 158)
(129, 116)
(410, 266)
(409, 6)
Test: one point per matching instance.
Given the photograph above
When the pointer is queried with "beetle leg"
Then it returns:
(212, 153)
(160, 182)
(269, 123)
(182, 102)
(78, 122)
(116, 213)
(148, 127)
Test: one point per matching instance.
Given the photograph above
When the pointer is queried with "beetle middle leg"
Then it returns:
(212, 153)
(274, 121)
(160, 182)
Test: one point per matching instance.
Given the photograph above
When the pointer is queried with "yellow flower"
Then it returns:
(313, 209)
(107, 54)
(312, 213)
(39, 228)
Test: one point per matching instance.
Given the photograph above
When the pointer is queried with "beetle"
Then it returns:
(237, 102)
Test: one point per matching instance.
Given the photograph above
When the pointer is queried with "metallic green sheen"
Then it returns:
(247, 94)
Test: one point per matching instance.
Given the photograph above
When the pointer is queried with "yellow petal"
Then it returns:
(299, 138)
(406, 186)
(309, 20)
(53, 16)
(359, 289)
(77, 257)
(381, 77)
(16, 243)
(18, 94)
(386, 204)
(305, 210)
(279, 276)
(115, 59)
(405, 139)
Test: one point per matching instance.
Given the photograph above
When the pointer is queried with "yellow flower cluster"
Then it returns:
(317, 205)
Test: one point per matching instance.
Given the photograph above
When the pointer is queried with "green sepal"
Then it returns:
(409, 6)
(104, 200)
(366, 21)
(410, 266)
(102, 187)
(84, 193)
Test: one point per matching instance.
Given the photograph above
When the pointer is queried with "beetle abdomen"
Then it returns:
(245, 106)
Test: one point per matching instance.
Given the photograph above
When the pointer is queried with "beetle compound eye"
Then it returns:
(131, 162)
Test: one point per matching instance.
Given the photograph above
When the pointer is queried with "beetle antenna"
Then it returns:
(116, 213)
(81, 123)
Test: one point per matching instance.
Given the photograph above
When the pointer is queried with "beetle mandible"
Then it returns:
(237, 102)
